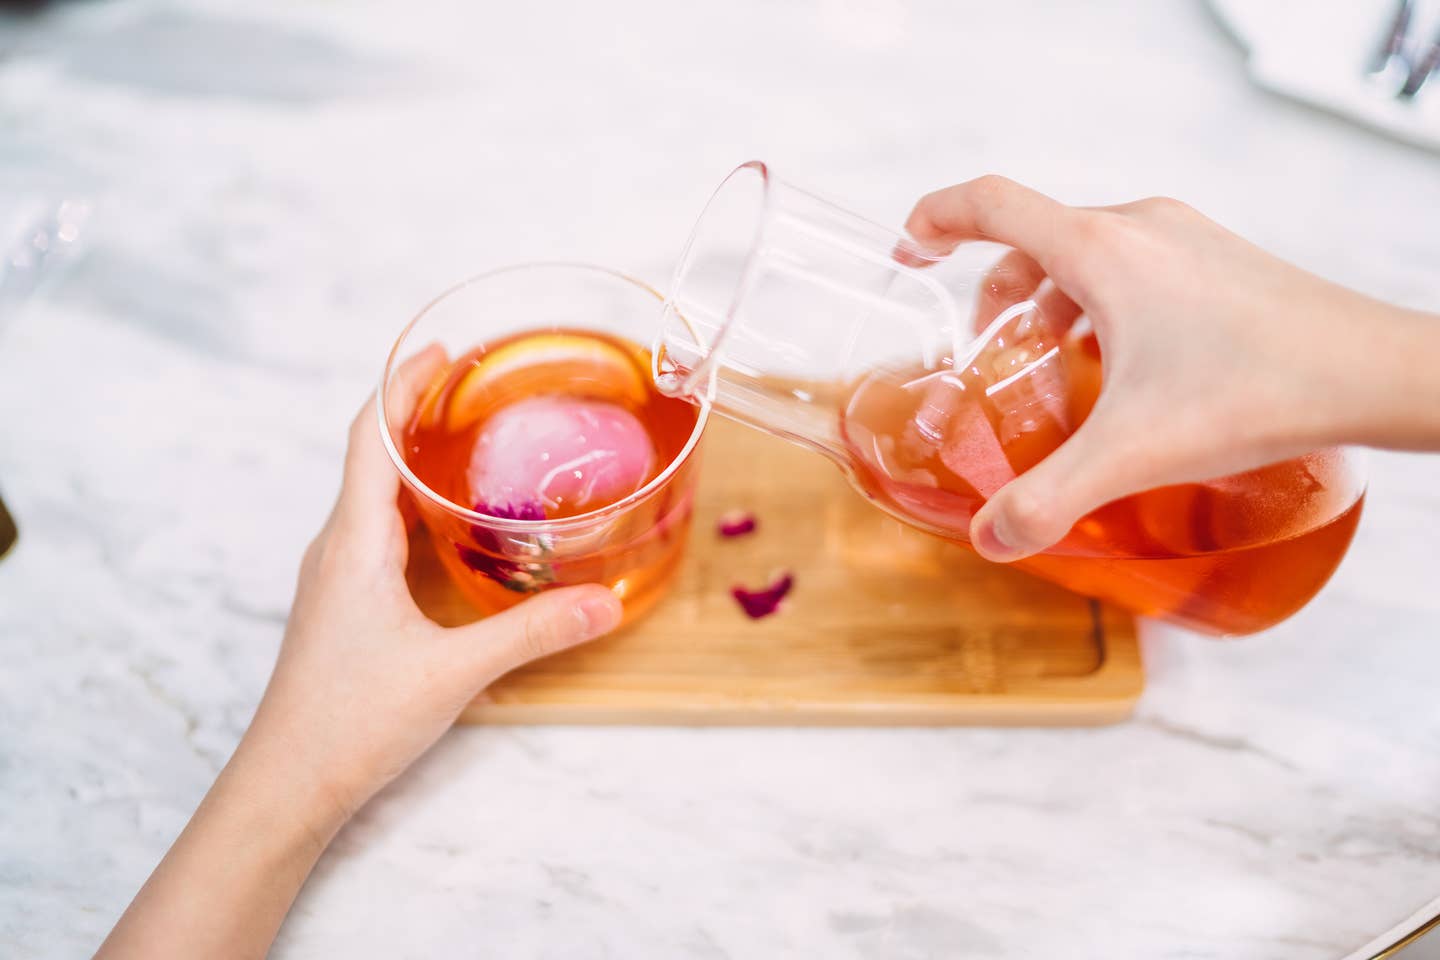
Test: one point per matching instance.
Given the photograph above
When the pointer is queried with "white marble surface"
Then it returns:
(278, 184)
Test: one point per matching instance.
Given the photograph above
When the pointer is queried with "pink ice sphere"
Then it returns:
(568, 455)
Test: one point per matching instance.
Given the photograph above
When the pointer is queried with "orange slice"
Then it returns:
(582, 365)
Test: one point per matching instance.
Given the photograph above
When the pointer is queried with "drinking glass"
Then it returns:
(632, 545)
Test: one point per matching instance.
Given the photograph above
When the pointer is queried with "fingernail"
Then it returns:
(990, 541)
(599, 614)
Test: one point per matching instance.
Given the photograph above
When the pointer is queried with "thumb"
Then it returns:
(1037, 509)
(544, 624)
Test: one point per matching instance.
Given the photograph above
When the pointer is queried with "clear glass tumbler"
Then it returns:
(546, 330)
(932, 380)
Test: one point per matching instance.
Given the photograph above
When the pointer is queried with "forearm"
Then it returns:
(1391, 376)
(1406, 385)
(226, 885)
(363, 685)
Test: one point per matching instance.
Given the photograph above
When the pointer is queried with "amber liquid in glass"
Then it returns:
(1231, 556)
(554, 425)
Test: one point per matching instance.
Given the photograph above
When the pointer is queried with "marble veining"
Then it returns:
(278, 186)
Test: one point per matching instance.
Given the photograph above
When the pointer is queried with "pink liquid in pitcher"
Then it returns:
(1228, 556)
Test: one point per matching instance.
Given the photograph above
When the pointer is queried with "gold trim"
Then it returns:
(8, 533)
(1432, 924)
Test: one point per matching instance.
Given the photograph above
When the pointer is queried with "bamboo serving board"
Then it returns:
(884, 626)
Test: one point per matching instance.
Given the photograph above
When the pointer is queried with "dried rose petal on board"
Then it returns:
(736, 523)
(762, 603)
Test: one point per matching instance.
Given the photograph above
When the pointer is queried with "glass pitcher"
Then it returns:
(798, 318)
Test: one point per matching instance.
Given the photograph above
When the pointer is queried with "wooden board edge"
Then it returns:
(989, 711)
(965, 710)
(1104, 697)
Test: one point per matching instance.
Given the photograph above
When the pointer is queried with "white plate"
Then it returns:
(1318, 51)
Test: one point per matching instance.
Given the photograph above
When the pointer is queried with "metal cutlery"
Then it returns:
(1424, 68)
(1390, 58)
(1400, 71)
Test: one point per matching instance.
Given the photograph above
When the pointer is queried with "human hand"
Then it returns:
(363, 685)
(1218, 357)
(365, 682)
